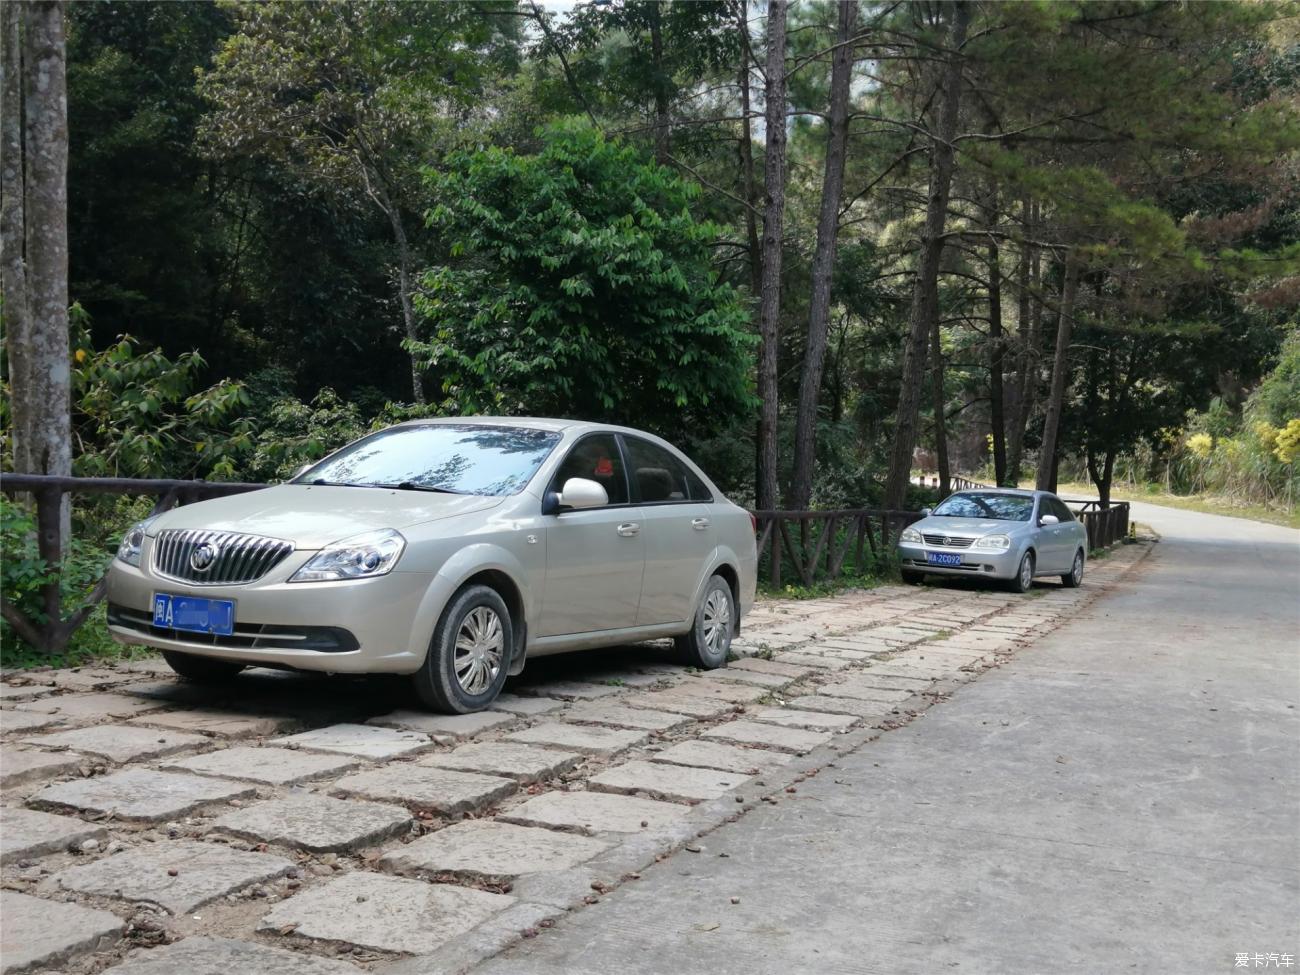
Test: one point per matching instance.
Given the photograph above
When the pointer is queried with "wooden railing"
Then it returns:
(823, 545)
(52, 633)
(1106, 526)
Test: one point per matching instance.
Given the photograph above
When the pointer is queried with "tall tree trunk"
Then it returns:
(940, 409)
(13, 268)
(823, 266)
(925, 290)
(661, 82)
(404, 294)
(747, 155)
(1047, 465)
(45, 117)
(769, 312)
(1027, 312)
(997, 350)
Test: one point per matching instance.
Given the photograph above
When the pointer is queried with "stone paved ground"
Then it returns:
(302, 823)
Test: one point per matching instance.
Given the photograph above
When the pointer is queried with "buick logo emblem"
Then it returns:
(201, 558)
(946, 540)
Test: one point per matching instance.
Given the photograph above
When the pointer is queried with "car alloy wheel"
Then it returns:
(717, 622)
(480, 648)
(1026, 573)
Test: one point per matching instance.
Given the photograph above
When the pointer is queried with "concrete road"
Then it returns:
(1123, 796)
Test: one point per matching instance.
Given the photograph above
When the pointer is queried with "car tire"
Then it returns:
(1024, 577)
(707, 643)
(201, 670)
(1074, 578)
(469, 655)
(912, 577)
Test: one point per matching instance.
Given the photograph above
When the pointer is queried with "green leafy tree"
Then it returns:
(583, 287)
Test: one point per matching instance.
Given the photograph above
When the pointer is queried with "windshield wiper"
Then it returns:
(412, 486)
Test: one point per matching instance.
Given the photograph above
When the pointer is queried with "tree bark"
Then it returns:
(769, 313)
(747, 155)
(925, 290)
(404, 294)
(660, 83)
(1028, 312)
(823, 266)
(940, 409)
(13, 268)
(49, 387)
(997, 350)
(1046, 480)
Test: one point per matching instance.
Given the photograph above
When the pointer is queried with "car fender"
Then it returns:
(723, 555)
(464, 564)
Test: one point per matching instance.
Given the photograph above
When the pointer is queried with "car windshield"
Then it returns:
(444, 457)
(997, 507)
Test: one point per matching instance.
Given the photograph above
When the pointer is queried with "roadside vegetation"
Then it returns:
(816, 244)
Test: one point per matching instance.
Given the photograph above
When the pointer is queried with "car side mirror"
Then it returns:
(925, 512)
(579, 492)
(1049, 520)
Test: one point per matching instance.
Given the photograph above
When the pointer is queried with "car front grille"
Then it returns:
(247, 636)
(948, 541)
(227, 558)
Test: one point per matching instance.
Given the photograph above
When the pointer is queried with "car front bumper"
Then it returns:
(351, 627)
(989, 565)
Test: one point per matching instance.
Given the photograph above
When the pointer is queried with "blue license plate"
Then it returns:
(194, 614)
(942, 558)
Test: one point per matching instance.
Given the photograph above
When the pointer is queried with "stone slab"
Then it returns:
(43, 934)
(140, 794)
(812, 661)
(315, 823)
(812, 720)
(724, 758)
(90, 707)
(26, 833)
(217, 723)
(23, 692)
(443, 790)
(573, 690)
(851, 687)
(851, 654)
(365, 741)
(444, 725)
(13, 722)
(23, 765)
(870, 710)
(674, 783)
(90, 678)
(179, 875)
(385, 913)
(761, 666)
(226, 956)
(580, 738)
(118, 743)
(794, 740)
(594, 812)
(695, 707)
(621, 716)
(749, 677)
(485, 849)
(713, 690)
(274, 766)
(522, 762)
(526, 706)
(175, 691)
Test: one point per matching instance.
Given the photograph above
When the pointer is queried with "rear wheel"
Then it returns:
(1024, 578)
(201, 670)
(912, 577)
(469, 655)
(709, 639)
(1074, 578)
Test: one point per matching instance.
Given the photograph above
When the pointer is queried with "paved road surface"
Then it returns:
(1124, 796)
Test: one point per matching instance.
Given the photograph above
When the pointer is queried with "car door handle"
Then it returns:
(628, 529)
(699, 524)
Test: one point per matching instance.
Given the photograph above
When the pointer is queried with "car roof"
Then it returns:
(528, 422)
(1017, 492)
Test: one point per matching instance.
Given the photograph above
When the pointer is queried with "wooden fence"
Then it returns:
(53, 632)
(823, 545)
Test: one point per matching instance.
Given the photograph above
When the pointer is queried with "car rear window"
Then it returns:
(988, 506)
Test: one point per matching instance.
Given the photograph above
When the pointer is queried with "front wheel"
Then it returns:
(201, 670)
(1074, 578)
(468, 657)
(709, 639)
(1024, 578)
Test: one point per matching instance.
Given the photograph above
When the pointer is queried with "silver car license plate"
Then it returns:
(194, 614)
(942, 558)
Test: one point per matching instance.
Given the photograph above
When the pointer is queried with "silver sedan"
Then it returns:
(449, 550)
(1002, 534)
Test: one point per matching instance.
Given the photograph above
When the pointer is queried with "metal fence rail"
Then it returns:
(53, 632)
(822, 545)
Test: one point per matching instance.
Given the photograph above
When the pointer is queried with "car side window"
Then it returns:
(596, 458)
(699, 491)
(657, 476)
(1062, 512)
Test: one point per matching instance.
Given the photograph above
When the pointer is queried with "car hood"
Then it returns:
(967, 527)
(312, 516)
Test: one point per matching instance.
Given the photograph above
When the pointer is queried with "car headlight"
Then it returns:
(910, 535)
(358, 557)
(132, 544)
(993, 543)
